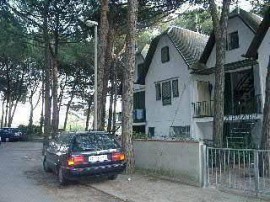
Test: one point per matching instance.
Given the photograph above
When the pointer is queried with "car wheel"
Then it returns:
(45, 166)
(112, 177)
(61, 177)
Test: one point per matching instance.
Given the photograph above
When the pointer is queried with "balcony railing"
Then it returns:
(251, 106)
(206, 108)
(139, 115)
(203, 109)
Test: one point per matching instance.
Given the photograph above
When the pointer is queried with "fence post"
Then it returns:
(256, 171)
(203, 165)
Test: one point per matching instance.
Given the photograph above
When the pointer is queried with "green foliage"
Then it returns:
(197, 20)
(140, 136)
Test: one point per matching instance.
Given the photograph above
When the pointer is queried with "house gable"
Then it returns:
(242, 22)
(178, 111)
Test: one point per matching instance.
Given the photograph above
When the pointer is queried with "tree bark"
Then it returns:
(88, 113)
(127, 103)
(67, 109)
(220, 29)
(103, 33)
(55, 118)
(47, 78)
(3, 113)
(265, 140)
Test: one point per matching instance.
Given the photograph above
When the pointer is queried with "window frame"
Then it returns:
(166, 100)
(233, 41)
(175, 91)
(158, 90)
(165, 54)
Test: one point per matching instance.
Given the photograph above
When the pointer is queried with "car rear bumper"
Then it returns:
(105, 170)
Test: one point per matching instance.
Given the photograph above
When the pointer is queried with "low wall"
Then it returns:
(180, 160)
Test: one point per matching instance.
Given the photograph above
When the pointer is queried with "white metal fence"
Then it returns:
(241, 169)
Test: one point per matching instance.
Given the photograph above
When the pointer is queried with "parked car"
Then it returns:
(10, 134)
(75, 155)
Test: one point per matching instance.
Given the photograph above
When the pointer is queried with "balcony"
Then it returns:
(203, 109)
(250, 106)
(139, 116)
(206, 108)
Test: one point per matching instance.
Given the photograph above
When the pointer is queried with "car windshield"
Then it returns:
(94, 142)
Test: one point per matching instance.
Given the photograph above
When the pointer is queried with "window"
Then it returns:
(151, 131)
(233, 41)
(175, 88)
(166, 93)
(165, 55)
(180, 131)
(158, 91)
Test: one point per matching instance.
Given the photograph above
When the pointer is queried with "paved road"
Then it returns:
(23, 180)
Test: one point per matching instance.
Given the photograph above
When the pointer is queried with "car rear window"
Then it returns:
(94, 142)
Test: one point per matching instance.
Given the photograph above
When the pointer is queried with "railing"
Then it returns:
(203, 109)
(206, 108)
(238, 169)
(139, 115)
(251, 106)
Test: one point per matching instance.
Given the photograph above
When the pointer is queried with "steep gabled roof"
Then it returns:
(251, 20)
(189, 44)
(259, 36)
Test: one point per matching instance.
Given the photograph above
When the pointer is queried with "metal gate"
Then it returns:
(242, 169)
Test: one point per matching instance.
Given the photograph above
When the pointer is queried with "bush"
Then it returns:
(140, 136)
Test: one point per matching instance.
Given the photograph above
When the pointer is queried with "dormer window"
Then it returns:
(233, 40)
(165, 55)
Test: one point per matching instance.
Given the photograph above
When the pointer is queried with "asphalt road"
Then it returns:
(22, 179)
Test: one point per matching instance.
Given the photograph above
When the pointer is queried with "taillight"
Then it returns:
(118, 156)
(76, 160)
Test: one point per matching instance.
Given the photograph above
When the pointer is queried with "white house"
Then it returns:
(179, 83)
(243, 87)
(259, 50)
(168, 83)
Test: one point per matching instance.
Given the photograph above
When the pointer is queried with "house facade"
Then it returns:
(179, 83)
(168, 82)
(243, 87)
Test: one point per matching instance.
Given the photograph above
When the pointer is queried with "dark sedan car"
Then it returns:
(10, 134)
(75, 155)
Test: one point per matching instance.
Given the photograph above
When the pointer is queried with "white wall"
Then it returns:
(245, 38)
(180, 160)
(263, 58)
(179, 112)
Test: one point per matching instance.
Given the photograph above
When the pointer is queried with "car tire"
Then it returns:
(112, 177)
(61, 177)
(46, 167)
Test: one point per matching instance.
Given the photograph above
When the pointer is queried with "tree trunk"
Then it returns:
(3, 113)
(103, 33)
(30, 124)
(127, 103)
(114, 103)
(41, 123)
(88, 113)
(220, 29)
(67, 110)
(265, 140)
(47, 78)
(55, 118)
